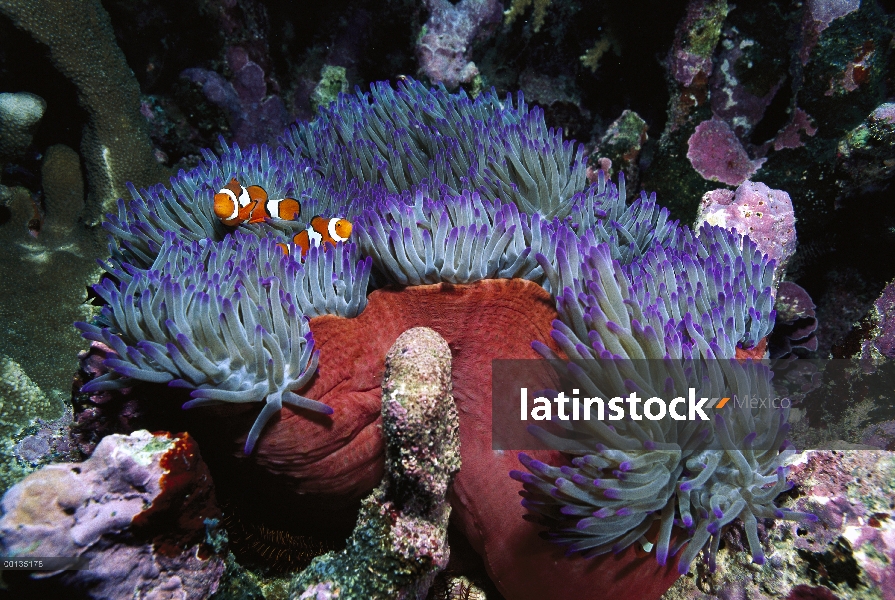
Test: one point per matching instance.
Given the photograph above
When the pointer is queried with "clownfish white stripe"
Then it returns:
(235, 212)
(331, 228)
(273, 207)
(244, 198)
(314, 237)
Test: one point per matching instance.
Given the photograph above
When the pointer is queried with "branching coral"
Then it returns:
(445, 189)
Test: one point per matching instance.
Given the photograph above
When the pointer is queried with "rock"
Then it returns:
(136, 509)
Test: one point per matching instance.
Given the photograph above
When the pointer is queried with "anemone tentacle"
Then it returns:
(401, 136)
(445, 188)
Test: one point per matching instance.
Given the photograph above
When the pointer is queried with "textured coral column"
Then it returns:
(400, 541)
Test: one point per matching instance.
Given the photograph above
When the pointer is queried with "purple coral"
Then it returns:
(253, 115)
(791, 134)
(103, 509)
(443, 50)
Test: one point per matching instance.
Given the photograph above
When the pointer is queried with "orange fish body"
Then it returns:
(235, 204)
(321, 232)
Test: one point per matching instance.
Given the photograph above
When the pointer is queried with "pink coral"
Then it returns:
(790, 136)
(717, 154)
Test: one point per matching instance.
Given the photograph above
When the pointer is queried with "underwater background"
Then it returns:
(442, 131)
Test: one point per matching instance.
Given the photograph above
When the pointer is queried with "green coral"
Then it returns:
(21, 403)
(44, 275)
(519, 8)
(705, 31)
(19, 115)
(333, 81)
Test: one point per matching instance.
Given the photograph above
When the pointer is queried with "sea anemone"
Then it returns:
(447, 189)
(225, 319)
(662, 324)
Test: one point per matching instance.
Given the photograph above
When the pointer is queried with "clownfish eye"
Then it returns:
(343, 228)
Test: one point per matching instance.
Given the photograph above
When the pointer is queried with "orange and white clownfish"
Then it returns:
(322, 231)
(235, 204)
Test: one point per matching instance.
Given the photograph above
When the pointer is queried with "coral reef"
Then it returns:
(690, 60)
(400, 541)
(621, 146)
(796, 324)
(450, 196)
(883, 318)
(520, 7)
(115, 146)
(19, 115)
(481, 190)
(747, 106)
(865, 153)
(50, 258)
(333, 81)
(765, 215)
(254, 116)
(50, 442)
(444, 44)
(21, 403)
(50, 248)
(137, 509)
(717, 155)
(847, 553)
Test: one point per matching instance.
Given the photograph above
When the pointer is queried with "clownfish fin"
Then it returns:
(234, 186)
(284, 248)
(302, 240)
(245, 213)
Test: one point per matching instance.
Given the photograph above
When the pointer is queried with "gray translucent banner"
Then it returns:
(750, 406)
(44, 563)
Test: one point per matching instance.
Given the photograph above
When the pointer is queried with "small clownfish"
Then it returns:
(235, 204)
(322, 231)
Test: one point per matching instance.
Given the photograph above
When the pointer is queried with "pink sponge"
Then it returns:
(717, 154)
(765, 215)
